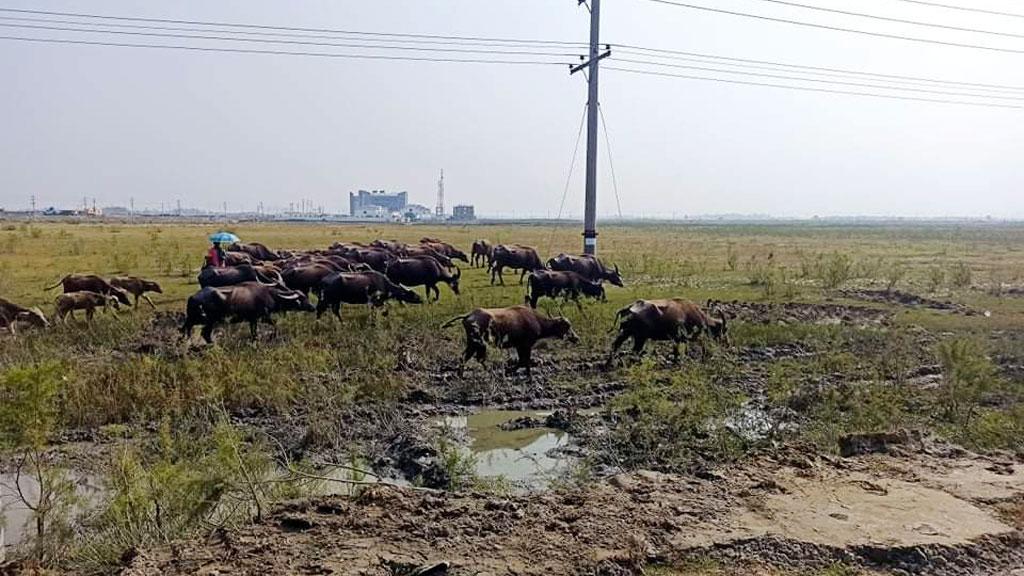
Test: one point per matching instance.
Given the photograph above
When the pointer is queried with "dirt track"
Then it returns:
(926, 512)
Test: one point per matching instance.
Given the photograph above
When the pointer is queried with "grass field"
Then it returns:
(182, 434)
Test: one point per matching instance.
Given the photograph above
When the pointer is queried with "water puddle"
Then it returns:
(16, 517)
(527, 457)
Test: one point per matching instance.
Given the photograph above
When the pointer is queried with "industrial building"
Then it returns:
(376, 203)
(463, 212)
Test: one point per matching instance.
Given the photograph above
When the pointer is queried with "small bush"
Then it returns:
(960, 277)
(835, 271)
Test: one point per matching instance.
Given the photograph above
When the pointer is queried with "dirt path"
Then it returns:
(923, 514)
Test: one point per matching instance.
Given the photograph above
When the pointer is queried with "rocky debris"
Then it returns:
(874, 442)
(908, 299)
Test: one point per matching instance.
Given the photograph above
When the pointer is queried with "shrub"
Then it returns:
(967, 376)
(835, 271)
(960, 277)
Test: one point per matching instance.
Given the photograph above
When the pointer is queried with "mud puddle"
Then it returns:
(15, 515)
(529, 456)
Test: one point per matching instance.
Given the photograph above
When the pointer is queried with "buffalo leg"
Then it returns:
(336, 308)
(638, 344)
(522, 275)
(147, 300)
(88, 314)
(207, 332)
(523, 351)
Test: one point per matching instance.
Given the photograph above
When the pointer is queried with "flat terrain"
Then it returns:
(866, 415)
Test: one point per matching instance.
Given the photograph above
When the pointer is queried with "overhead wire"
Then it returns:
(679, 54)
(336, 36)
(287, 42)
(890, 19)
(836, 28)
(611, 163)
(287, 28)
(811, 89)
(568, 178)
(833, 82)
(279, 52)
(963, 8)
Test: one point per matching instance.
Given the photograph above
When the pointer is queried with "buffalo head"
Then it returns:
(403, 294)
(563, 329)
(286, 300)
(454, 283)
(120, 296)
(613, 276)
(33, 316)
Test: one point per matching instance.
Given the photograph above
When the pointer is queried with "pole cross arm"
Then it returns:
(578, 67)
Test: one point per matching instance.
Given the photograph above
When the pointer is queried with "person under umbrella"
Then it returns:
(216, 257)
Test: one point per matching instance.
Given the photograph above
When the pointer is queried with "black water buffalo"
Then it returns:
(137, 287)
(236, 258)
(11, 314)
(518, 327)
(256, 250)
(481, 253)
(250, 302)
(425, 272)
(91, 283)
(371, 288)
(675, 320)
(376, 258)
(568, 285)
(212, 276)
(590, 267)
(444, 248)
(516, 257)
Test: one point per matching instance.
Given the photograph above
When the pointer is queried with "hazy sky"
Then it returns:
(161, 125)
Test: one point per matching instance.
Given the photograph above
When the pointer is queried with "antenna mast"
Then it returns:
(439, 211)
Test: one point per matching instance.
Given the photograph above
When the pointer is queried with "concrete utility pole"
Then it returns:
(595, 56)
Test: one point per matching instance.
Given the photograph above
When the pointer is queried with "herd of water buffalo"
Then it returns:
(256, 282)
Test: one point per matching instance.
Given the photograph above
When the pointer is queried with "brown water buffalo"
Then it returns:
(137, 287)
(67, 303)
(11, 314)
(371, 288)
(231, 275)
(425, 272)
(518, 327)
(590, 267)
(568, 285)
(308, 277)
(444, 248)
(393, 246)
(250, 302)
(91, 283)
(675, 320)
(480, 253)
(424, 251)
(237, 258)
(256, 250)
(515, 257)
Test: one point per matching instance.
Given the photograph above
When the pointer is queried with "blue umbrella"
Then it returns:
(223, 237)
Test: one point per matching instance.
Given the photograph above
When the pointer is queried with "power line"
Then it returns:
(835, 28)
(676, 53)
(611, 165)
(335, 36)
(287, 28)
(833, 82)
(963, 8)
(287, 42)
(568, 178)
(890, 19)
(809, 89)
(278, 52)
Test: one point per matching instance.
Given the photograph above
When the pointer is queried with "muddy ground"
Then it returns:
(904, 504)
(922, 508)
